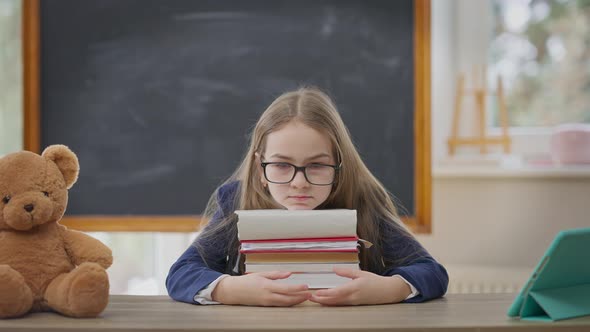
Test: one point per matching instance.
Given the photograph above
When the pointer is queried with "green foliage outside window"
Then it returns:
(541, 48)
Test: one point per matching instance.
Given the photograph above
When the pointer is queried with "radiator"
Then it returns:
(471, 279)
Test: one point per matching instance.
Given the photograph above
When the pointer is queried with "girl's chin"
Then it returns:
(299, 207)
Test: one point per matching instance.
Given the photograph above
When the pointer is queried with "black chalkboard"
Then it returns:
(157, 97)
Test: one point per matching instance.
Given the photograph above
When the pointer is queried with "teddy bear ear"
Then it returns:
(66, 161)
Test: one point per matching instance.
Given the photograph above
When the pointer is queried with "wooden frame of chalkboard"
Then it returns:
(419, 222)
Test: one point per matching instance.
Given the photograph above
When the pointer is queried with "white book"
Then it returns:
(295, 224)
(315, 280)
(299, 267)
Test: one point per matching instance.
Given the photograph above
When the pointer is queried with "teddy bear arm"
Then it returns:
(84, 248)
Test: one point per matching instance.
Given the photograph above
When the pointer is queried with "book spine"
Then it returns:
(273, 251)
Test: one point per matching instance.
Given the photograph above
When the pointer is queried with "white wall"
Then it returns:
(443, 73)
(11, 123)
(503, 221)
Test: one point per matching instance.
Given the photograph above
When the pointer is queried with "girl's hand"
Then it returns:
(260, 289)
(364, 288)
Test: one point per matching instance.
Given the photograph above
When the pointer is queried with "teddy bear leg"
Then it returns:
(83, 292)
(16, 298)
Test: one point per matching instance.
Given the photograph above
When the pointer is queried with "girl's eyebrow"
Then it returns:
(317, 156)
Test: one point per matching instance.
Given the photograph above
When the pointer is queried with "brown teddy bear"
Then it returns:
(43, 265)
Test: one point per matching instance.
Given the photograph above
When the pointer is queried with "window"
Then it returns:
(141, 261)
(541, 49)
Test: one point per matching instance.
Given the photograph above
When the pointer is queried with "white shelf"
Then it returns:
(525, 171)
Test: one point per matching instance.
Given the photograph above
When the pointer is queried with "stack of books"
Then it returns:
(308, 243)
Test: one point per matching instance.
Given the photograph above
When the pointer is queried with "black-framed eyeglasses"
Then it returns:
(316, 174)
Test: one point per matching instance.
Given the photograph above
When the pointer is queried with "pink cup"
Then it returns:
(570, 144)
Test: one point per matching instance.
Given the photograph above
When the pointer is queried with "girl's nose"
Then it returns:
(299, 180)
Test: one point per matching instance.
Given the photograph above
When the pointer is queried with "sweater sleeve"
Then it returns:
(414, 264)
(190, 273)
(428, 276)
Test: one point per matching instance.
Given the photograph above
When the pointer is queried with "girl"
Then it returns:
(302, 157)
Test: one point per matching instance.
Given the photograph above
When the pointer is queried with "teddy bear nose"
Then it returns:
(29, 207)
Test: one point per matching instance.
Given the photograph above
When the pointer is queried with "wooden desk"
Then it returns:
(159, 313)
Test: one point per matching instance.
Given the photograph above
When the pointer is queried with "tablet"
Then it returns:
(559, 287)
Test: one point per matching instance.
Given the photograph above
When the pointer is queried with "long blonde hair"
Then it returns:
(355, 186)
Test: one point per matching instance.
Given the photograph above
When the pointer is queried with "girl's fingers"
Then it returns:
(339, 291)
(329, 300)
(288, 300)
(278, 287)
(274, 275)
(348, 273)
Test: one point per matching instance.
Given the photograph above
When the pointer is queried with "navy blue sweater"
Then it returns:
(190, 274)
